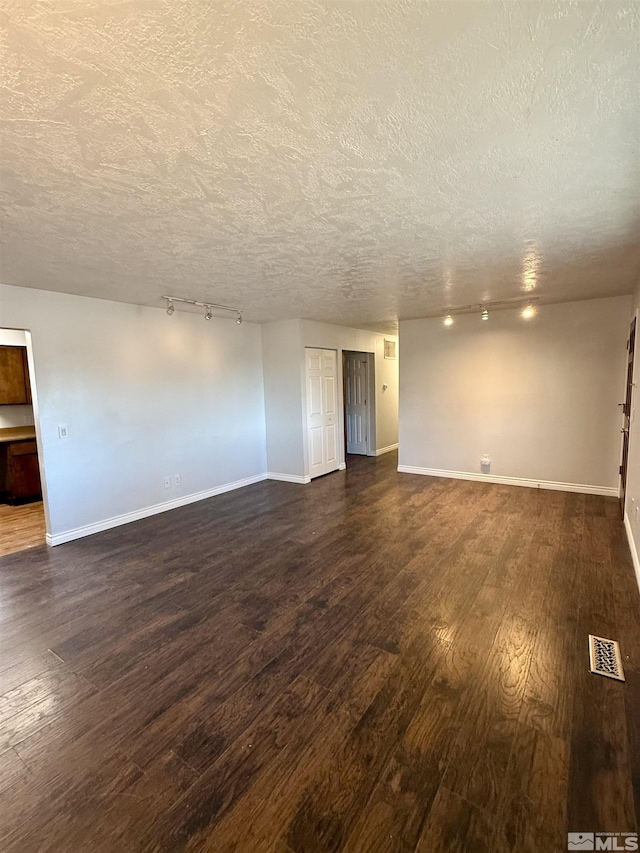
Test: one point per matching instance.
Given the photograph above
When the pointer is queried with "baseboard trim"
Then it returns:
(137, 515)
(288, 478)
(632, 547)
(512, 481)
(388, 449)
(342, 466)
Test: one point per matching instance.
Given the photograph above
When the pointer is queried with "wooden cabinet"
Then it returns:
(15, 388)
(23, 472)
(19, 471)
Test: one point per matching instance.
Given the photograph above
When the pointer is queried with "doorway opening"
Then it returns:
(22, 514)
(358, 375)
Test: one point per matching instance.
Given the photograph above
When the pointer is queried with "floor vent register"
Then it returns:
(605, 658)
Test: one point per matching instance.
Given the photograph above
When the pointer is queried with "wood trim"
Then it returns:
(512, 481)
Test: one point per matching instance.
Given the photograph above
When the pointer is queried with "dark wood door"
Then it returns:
(13, 382)
(626, 408)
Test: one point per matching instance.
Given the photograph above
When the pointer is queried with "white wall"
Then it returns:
(14, 416)
(285, 389)
(281, 347)
(539, 396)
(143, 395)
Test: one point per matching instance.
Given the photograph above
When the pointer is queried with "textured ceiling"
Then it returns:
(353, 162)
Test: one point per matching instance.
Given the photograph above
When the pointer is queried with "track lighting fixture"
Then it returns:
(528, 311)
(208, 306)
(526, 306)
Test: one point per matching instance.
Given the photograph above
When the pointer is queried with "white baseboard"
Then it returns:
(512, 481)
(127, 517)
(288, 478)
(342, 466)
(388, 449)
(632, 548)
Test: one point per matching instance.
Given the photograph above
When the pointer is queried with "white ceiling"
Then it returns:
(353, 162)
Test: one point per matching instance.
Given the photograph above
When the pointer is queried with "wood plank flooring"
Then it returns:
(376, 662)
(21, 527)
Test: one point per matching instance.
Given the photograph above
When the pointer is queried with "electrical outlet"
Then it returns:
(176, 479)
(63, 431)
(167, 482)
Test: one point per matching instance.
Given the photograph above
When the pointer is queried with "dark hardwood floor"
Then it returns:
(374, 662)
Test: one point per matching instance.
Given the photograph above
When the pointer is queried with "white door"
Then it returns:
(356, 367)
(322, 410)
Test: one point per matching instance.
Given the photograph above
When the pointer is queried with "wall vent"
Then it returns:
(605, 658)
(389, 348)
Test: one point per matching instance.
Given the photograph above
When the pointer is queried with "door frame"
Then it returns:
(38, 429)
(627, 410)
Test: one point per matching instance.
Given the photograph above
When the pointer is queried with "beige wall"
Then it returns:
(540, 396)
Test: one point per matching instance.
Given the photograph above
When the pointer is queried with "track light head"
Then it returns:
(485, 314)
(448, 320)
(528, 311)
(208, 307)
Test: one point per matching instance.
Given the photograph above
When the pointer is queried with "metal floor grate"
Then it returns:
(605, 658)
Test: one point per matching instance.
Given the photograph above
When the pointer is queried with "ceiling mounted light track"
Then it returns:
(528, 311)
(208, 306)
